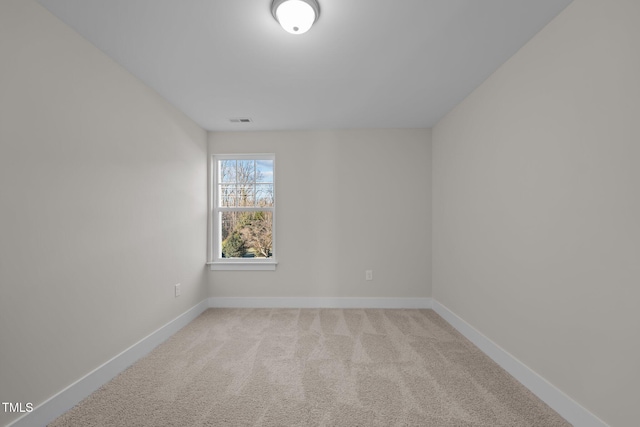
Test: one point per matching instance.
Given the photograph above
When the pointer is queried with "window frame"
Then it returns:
(215, 259)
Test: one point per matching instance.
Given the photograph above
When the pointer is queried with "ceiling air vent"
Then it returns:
(240, 120)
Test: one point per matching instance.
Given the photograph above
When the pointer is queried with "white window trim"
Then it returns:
(216, 262)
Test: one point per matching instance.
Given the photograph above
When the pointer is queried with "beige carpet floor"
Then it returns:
(314, 367)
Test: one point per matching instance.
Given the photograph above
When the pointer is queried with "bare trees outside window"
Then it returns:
(244, 206)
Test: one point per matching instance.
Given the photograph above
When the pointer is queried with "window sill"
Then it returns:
(243, 265)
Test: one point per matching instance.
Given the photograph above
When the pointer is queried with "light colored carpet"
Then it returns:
(314, 367)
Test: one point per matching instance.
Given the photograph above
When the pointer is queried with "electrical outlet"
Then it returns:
(178, 290)
(368, 275)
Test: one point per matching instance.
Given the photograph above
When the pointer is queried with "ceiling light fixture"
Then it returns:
(295, 16)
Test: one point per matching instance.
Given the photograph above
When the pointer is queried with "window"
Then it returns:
(243, 212)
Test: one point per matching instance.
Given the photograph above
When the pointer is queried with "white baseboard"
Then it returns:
(568, 408)
(318, 302)
(66, 399)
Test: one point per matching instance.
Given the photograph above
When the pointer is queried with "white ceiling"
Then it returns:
(364, 64)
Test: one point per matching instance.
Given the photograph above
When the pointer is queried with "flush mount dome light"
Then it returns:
(295, 16)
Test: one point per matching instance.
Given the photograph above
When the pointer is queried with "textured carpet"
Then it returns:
(314, 367)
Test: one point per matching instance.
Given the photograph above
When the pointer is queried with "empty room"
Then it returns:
(319, 213)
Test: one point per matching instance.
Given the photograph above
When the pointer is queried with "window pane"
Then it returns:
(247, 234)
(227, 170)
(245, 171)
(264, 194)
(264, 170)
(227, 194)
(246, 194)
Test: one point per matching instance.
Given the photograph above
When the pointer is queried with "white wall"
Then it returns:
(102, 207)
(537, 207)
(347, 201)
